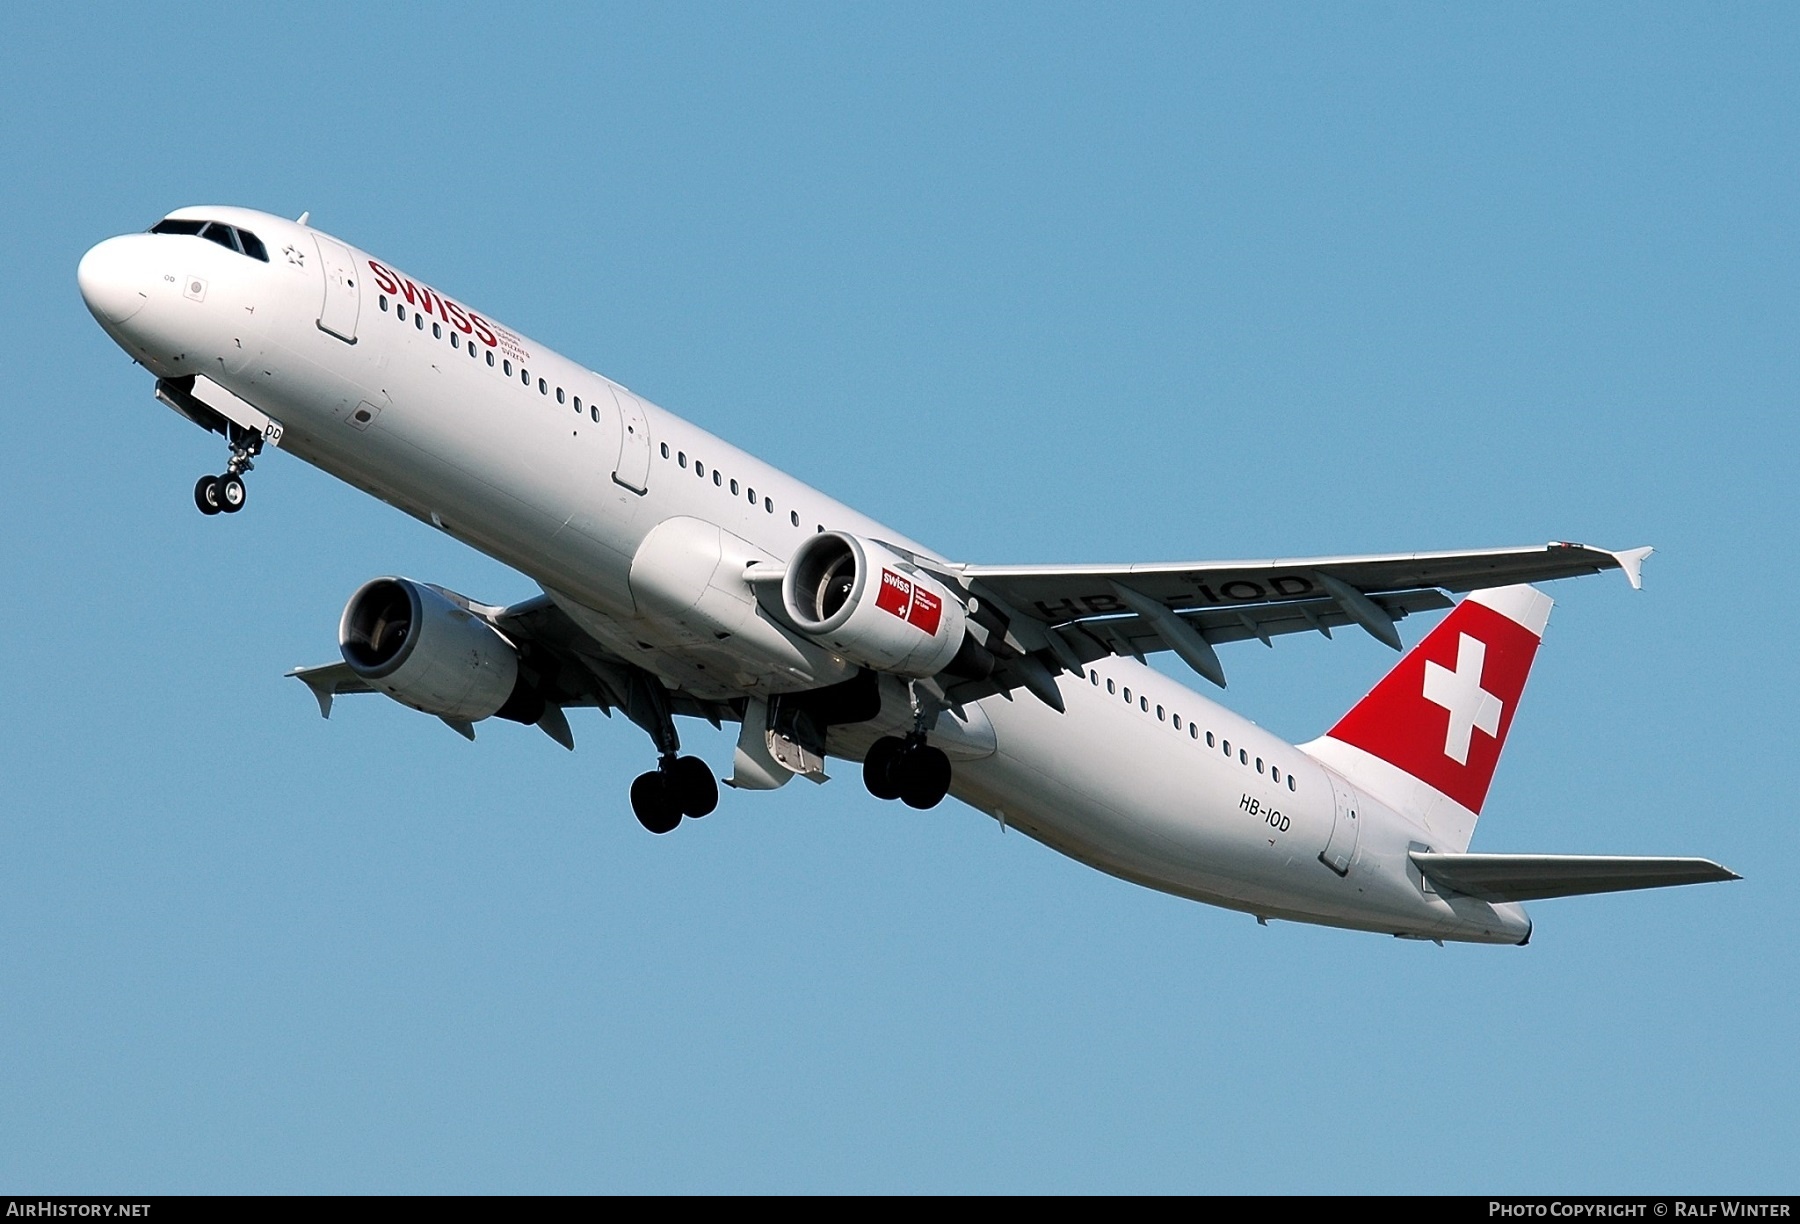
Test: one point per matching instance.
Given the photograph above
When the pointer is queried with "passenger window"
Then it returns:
(1275, 772)
(419, 321)
(681, 458)
(794, 517)
(543, 387)
(382, 298)
(665, 450)
(1209, 739)
(1194, 731)
(1109, 686)
(1243, 756)
(524, 377)
(699, 468)
(1127, 696)
(1144, 704)
(561, 400)
(506, 366)
(1176, 722)
(1290, 781)
(718, 480)
(490, 358)
(1094, 677)
(253, 246)
(1227, 746)
(769, 505)
(752, 493)
(1159, 714)
(400, 313)
(1259, 767)
(595, 413)
(734, 488)
(437, 331)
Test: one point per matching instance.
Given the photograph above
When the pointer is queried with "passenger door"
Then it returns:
(343, 300)
(1340, 847)
(632, 468)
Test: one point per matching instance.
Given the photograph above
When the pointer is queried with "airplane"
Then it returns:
(681, 577)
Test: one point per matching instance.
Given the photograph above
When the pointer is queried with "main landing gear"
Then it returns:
(677, 787)
(225, 494)
(909, 770)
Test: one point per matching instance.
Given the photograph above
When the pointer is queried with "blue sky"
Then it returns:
(1034, 283)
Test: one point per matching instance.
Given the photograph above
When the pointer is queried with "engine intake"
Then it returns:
(871, 605)
(424, 649)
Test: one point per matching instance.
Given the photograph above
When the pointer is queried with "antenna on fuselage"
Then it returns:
(303, 216)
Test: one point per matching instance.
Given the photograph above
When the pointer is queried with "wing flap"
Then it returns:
(1134, 636)
(1534, 877)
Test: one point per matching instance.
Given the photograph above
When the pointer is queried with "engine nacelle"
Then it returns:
(427, 651)
(872, 606)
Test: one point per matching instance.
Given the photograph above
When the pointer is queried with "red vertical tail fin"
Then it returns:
(1427, 737)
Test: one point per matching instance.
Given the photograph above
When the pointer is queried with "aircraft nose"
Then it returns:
(113, 280)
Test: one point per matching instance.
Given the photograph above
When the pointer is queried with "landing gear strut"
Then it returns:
(679, 785)
(909, 770)
(225, 494)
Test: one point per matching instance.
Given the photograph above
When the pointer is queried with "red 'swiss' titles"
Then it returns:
(429, 301)
(910, 602)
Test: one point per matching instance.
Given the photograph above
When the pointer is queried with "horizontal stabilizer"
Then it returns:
(1532, 877)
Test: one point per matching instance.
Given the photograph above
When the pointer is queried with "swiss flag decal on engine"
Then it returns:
(910, 602)
(1442, 714)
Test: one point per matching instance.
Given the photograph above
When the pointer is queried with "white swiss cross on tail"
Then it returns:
(1431, 731)
(1460, 692)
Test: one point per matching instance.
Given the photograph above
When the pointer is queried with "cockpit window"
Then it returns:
(227, 236)
(221, 234)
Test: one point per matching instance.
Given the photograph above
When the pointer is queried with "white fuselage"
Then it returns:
(1141, 787)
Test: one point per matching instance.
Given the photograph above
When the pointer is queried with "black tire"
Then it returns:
(231, 494)
(652, 803)
(880, 772)
(206, 495)
(924, 777)
(693, 786)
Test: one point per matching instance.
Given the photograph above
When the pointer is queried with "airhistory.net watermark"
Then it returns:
(59, 1209)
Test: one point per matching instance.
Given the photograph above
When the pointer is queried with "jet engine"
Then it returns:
(423, 648)
(873, 606)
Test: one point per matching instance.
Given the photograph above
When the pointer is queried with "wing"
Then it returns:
(575, 670)
(1066, 616)
(566, 665)
(1532, 877)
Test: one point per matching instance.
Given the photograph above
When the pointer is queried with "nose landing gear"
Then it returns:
(226, 494)
(909, 770)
